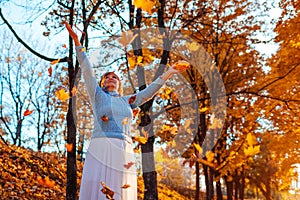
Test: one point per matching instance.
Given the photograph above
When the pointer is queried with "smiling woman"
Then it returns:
(110, 158)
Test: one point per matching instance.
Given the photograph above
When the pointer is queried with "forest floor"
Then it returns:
(27, 174)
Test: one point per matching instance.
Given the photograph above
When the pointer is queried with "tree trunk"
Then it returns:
(229, 189)
(149, 173)
(237, 185)
(219, 190)
(197, 192)
(208, 182)
(18, 133)
(242, 188)
(71, 156)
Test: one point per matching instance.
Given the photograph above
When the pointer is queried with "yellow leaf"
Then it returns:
(139, 139)
(140, 60)
(202, 110)
(82, 49)
(251, 139)
(210, 156)
(145, 5)
(125, 121)
(251, 151)
(194, 46)
(187, 124)
(198, 148)
(131, 61)
(62, 95)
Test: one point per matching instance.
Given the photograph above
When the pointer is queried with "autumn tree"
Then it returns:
(24, 85)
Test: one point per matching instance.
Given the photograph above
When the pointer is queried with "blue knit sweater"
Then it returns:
(112, 113)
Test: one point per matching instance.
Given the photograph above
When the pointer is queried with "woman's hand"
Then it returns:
(176, 68)
(73, 35)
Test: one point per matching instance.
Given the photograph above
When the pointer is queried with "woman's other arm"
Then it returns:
(86, 69)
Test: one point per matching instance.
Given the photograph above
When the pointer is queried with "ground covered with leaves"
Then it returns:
(26, 174)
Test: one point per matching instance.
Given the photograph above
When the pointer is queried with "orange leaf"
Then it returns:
(64, 46)
(28, 112)
(135, 112)
(62, 95)
(74, 91)
(45, 181)
(50, 71)
(55, 62)
(69, 147)
(107, 191)
(104, 118)
(128, 165)
(125, 186)
(182, 65)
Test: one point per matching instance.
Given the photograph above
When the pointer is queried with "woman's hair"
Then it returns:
(101, 83)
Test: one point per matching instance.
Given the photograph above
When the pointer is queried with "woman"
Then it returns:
(110, 157)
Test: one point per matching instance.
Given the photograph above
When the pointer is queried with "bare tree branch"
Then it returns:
(65, 59)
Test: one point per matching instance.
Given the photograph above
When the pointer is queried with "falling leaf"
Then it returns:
(69, 147)
(40, 74)
(107, 191)
(125, 121)
(28, 112)
(145, 5)
(62, 95)
(210, 156)
(55, 62)
(46, 34)
(82, 49)
(182, 65)
(135, 112)
(125, 186)
(187, 124)
(132, 99)
(74, 91)
(50, 71)
(139, 139)
(104, 118)
(64, 46)
(202, 110)
(126, 38)
(7, 59)
(128, 165)
(145, 133)
(140, 60)
(198, 148)
(194, 46)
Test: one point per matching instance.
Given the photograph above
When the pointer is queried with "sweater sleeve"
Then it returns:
(87, 72)
(145, 95)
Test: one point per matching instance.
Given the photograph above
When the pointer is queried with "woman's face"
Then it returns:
(111, 82)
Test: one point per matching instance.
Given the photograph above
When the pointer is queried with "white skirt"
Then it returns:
(112, 161)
